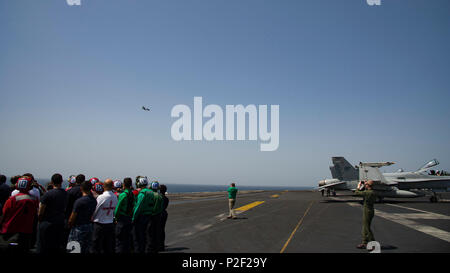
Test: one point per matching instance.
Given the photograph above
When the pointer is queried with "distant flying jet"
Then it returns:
(145, 109)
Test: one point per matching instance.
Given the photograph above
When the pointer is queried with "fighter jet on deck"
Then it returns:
(145, 109)
(400, 184)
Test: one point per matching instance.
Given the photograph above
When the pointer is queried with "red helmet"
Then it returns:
(98, 188)
(24, 184)
(94, 180)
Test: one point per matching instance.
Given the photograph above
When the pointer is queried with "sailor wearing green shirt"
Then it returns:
(154, 226)
(366, 190)
(232, 191)
(123, 215)
(141, 215)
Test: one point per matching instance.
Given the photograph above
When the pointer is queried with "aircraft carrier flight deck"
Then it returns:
(303, 222)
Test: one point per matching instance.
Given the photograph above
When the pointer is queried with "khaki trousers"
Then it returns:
(231, 203)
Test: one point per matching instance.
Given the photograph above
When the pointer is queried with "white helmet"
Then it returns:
(117, 184)
(141, 181)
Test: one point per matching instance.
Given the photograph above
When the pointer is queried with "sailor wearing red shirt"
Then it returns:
(19, 213)
(97, 189)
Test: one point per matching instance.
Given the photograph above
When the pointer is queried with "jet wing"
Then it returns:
(330, 185)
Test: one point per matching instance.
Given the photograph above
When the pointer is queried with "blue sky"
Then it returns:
(366, 82)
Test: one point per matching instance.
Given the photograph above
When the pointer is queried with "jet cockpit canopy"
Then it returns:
(429, 165)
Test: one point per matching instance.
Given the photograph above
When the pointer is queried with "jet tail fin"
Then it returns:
(343, 170)
(371, 171)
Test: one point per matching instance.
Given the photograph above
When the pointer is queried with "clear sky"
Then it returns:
(371, 83)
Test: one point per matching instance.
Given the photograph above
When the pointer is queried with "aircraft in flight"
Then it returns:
(400, 184)
(145, 109)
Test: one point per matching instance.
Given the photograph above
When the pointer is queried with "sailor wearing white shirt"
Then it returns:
(34, 192)
(103, 218)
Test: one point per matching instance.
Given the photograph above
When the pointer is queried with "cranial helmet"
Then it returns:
(98, 188)
(24, 184)
(142, 181)
(72, 179)
(94, 180)
(117, 184)
(155, 185)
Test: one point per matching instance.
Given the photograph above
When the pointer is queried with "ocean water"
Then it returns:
(189, 188)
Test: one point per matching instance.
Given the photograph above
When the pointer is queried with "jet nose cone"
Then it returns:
(322, 183)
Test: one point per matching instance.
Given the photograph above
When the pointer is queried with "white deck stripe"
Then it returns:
(425, 216)
(401, 218)
(419, 210)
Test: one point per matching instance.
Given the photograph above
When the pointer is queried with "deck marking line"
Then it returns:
(249, 206)
(296, 228)
(400, 218)
(437, 215)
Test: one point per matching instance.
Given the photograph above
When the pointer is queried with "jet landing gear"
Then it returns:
(434, 198)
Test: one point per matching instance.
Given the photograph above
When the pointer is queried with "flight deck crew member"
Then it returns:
(164, 215)
(117, 187)
(123, 215)
(154, 225)
(20, 212)
(368, 211)
(141, 214)
(232, 191)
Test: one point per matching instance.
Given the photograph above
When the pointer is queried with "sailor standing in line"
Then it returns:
(123, 215)
(103, 218)
(141, 214)
(154, 224)
(164, 215)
